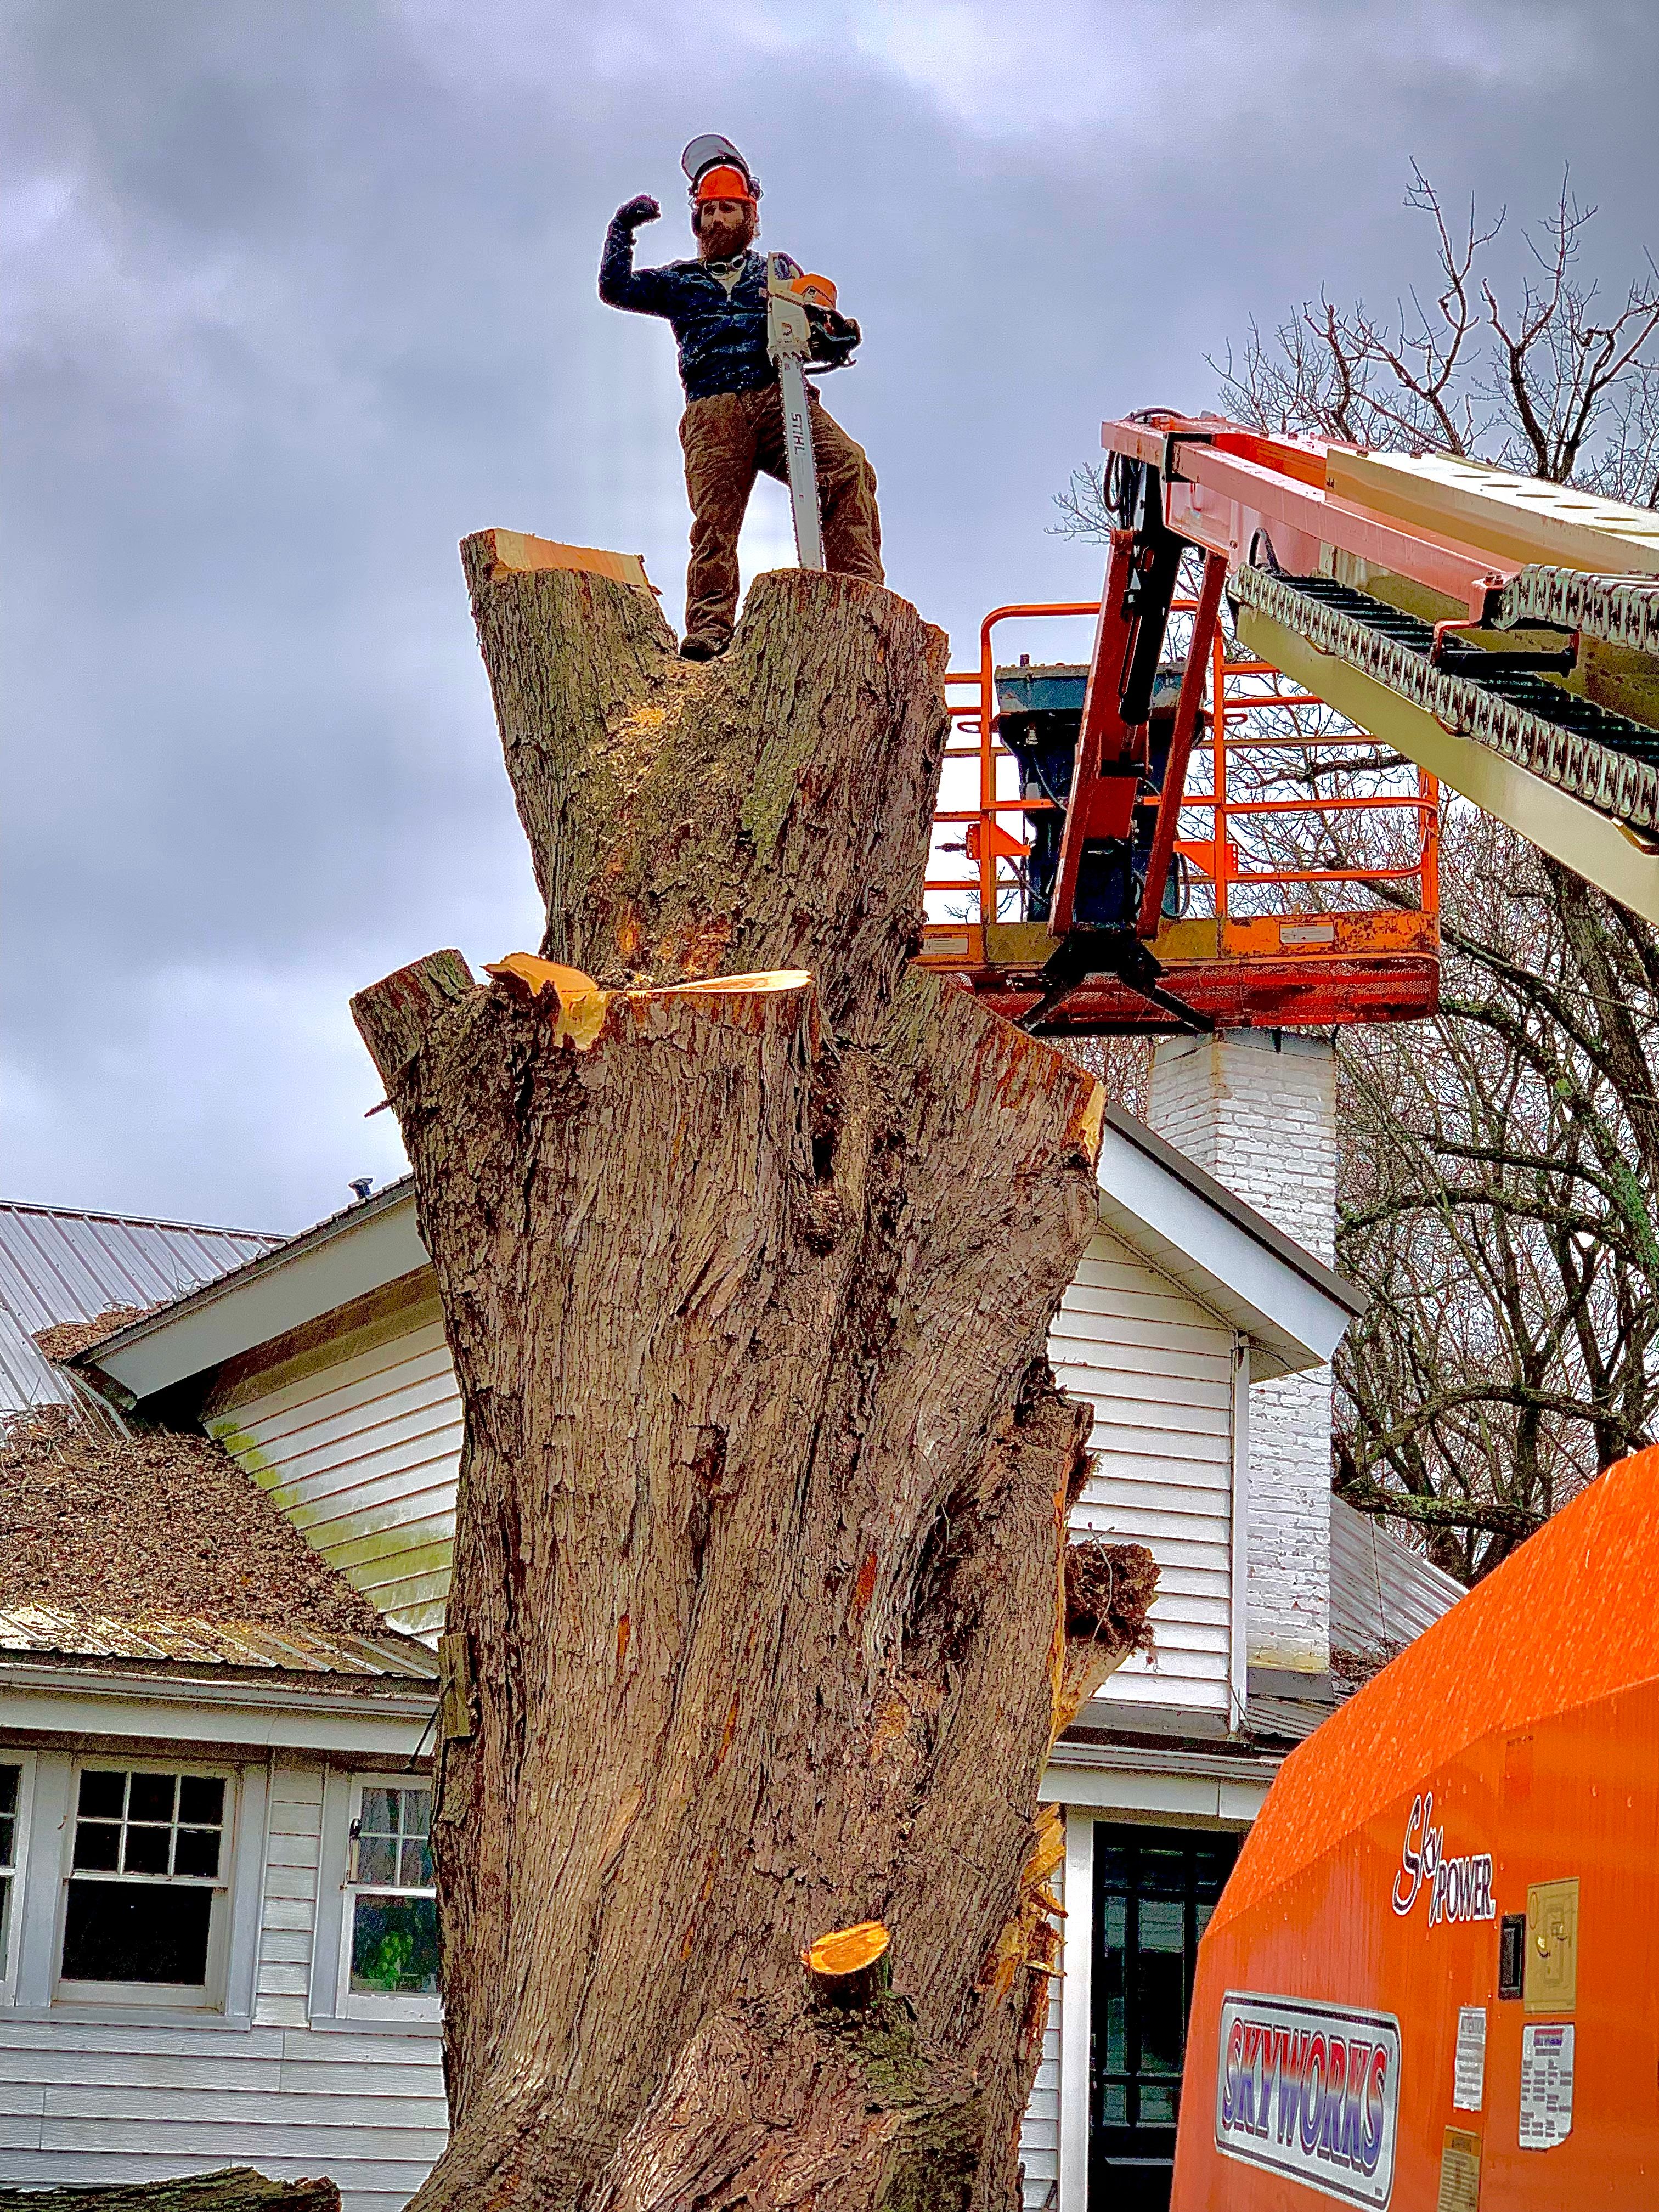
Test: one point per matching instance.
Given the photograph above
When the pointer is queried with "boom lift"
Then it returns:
(1500, 632)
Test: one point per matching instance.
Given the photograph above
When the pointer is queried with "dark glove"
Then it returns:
(644, 208)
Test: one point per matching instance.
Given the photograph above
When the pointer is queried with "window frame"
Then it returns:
(11, 1946)
(359, 2004)
(207, 1995)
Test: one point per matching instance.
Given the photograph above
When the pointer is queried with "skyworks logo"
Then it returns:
(1311, 2092)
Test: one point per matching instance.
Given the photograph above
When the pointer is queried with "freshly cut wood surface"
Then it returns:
(848, 1950)
(851, 1967)
(758, 1559)
(516, 548)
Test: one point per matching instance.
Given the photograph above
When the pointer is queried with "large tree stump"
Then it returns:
(758, 1629)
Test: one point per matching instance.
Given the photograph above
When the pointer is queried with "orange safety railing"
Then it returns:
(987, 843)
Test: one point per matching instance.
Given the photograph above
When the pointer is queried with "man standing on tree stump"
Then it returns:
(732, 426)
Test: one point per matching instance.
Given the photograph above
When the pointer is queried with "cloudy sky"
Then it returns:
(299, 291)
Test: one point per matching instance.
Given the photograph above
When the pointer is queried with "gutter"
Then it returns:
(56, 1702)
(199, 1690)
(1243, 1766)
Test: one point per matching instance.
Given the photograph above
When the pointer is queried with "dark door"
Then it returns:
(1155, 1889)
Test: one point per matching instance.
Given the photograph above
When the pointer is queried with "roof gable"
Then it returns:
(339, 1260)
(1220, 1251)
(1190, 1227)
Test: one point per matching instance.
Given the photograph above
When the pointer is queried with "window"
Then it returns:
(390, 1939)
(1155, 1890)
(144, 1908)
(11, 1779)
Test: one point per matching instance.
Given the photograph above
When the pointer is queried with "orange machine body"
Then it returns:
(1366, 2029)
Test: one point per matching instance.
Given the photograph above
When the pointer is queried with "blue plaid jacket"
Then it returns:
(721, 337)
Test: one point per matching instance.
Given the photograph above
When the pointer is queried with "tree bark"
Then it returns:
(749, 1236)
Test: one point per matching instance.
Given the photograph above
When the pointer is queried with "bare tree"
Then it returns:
(1550, 383)
(1498, 1188)
(1496, 1201)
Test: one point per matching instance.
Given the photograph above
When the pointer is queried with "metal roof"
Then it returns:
(63, 1263)
(35, 1628)
(1382, 1592)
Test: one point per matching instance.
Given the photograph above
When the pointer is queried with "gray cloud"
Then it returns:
(301, 291)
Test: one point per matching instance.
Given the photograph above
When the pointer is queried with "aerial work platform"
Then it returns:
(1398, 621)
(1267, 920)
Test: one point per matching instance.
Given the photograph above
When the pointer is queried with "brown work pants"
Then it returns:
(729, 438)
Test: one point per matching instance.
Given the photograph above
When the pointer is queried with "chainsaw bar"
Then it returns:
(789, 292)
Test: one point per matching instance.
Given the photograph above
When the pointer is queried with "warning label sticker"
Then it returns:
(1546, 2086)
(1459, 2173)
(1469, 2078)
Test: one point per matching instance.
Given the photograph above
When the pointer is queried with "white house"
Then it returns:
(218, 1910)
(1199, 1331)
(217, 1920)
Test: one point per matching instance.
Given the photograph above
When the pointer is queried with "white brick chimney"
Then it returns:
(1257, 1111)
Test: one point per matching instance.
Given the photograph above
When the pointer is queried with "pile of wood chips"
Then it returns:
(233, 2189)
(164, 1526)
(65, 1337)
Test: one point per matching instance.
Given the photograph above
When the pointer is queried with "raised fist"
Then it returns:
(644, 208)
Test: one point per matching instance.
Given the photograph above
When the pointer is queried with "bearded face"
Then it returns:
(725, 227)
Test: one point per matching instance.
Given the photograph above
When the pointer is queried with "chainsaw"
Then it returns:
(806, 336)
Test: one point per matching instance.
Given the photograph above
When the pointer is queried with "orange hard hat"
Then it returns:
(724, 184)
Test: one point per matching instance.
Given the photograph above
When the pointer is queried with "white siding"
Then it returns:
(89, 2101)
(1382, 1592)
(1159, 1368)
(288, 1915)
(1039, 2138)
(363, 1457)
